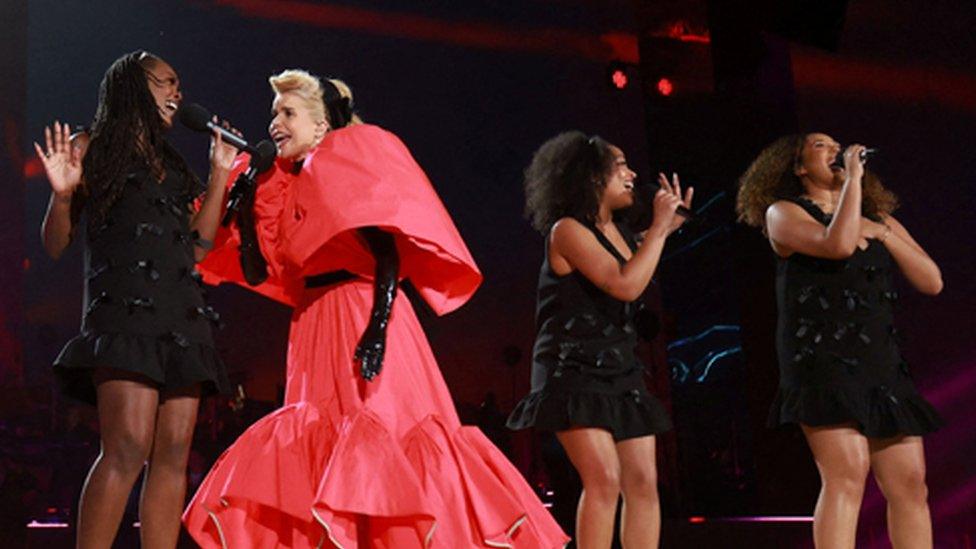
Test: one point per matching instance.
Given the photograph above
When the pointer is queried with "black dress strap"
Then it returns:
(629, 237)
(605, 242)
(811, 208)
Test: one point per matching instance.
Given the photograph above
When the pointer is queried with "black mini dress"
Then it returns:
(837, 345)
(143, 311)
(585, 372)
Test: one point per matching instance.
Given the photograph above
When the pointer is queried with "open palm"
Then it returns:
(62, 161)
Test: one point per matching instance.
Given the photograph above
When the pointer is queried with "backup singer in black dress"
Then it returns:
(145, 352)
(842, 376)
(587, 383)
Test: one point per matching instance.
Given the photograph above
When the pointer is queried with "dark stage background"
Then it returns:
(473, 88)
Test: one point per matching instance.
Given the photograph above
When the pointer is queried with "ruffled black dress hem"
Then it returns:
(878, 412)
(628, 415)
(170, 362)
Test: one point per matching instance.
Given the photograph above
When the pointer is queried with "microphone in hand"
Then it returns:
(199, 119)
(262, 158)
(863, 156)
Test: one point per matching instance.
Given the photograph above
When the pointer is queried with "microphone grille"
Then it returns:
(264, 155)
(194, 116)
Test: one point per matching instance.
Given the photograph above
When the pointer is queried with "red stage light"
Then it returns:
(33, 167)
(696, 520)
(619, 78)
(665, 87)
(616, 75)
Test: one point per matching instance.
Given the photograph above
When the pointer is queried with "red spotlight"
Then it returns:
(33, 167)
(617, 75)
(619, 78)
(696, 520)
(665, 87)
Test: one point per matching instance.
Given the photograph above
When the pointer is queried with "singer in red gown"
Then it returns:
(356, 459)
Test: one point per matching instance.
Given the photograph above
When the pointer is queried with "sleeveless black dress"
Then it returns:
(143, 309)
(585, 372)
(837, 345)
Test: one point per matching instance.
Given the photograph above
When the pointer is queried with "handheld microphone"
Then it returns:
(262, 158)
(645, 192)
(198, 118)
(864, 156)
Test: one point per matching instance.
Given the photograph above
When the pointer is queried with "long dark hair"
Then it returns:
(127, 132)
(566, 178)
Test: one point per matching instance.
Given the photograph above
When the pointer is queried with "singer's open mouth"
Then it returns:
(171, 105)
(280, 139)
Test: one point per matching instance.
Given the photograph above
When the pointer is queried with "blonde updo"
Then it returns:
(309, 88)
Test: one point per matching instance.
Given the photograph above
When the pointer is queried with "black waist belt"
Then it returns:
(329, 278)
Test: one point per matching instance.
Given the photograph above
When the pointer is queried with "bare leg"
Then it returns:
(842, 457)
(164, 489)
(594, 455)
(899, 468)
(126, 414)
(640, 526)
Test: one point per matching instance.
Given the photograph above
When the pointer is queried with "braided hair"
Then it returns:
(127, 131)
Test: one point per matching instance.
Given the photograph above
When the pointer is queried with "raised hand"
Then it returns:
(222, 154)
(61, 159)
(853, 165)
(666, 202)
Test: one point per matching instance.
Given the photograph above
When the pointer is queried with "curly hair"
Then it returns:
(127, 131)
(772, 176)
(566, 177)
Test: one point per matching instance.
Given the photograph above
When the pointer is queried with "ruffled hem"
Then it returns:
(878, 412)
(297, 479)
(631, 414)
(171, 362)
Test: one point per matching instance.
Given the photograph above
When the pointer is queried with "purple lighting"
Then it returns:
(35, 524)
(699, 520)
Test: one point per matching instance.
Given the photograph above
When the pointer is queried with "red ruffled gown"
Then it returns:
(345, 462)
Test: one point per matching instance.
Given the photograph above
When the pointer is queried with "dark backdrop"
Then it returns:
(473, 88)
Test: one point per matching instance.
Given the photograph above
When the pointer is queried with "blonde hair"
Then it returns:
(309, 87)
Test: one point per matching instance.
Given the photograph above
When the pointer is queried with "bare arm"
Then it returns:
(61, 157)
(574, 244)
(791, 229)
(57, 230)
(922, 273)
(205, 221)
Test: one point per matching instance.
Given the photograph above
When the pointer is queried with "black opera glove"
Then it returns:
(646, 321)
(372, 344)
(253, 264)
